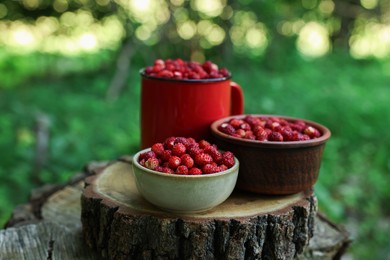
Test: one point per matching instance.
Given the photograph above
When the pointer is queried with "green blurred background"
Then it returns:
(69, 87)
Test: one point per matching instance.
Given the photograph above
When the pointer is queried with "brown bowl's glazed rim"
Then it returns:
(271, 144)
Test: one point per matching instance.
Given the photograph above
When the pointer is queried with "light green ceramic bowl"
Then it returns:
(184, 194)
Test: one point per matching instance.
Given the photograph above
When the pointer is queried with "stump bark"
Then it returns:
(48, 226)
(119, 224)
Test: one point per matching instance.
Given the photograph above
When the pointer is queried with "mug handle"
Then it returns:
(237, 99)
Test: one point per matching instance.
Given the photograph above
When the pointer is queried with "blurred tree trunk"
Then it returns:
(123, 64)
(347, 11)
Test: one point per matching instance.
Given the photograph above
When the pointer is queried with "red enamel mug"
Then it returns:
(185, 107)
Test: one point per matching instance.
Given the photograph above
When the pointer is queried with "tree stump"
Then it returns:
(119, 224)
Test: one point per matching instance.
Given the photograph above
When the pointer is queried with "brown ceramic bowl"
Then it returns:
(274, 168)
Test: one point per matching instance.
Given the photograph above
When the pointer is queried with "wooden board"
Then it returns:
(119, 224)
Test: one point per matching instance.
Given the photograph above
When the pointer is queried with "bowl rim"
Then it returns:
(270, 144)
(231, 170)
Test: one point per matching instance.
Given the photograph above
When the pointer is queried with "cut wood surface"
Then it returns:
(49, 227)
(119, 224)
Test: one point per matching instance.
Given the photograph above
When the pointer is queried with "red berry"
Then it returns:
(227, 129)
(303, 137)
(252, 120)
(165, 155)
(182, 140)
(182, 169)
(147, 155)
(152, 163)
(174, 162)
(209, 66)
(275, 126)
(177, 75)
(178, 149)
(224, 72)
(245, 126)
(187, 160)
(202, 159)
(169, 142)
(203, 144)
(249, 135)
(288, 135)
(236, 123)
(142, 162)
(165, 74)
(222, 167)
(215, 154)
(228, 159)
(167, 170)
(193, 150)
(195, 171)
(275, 137)
(191, 141)
(159, 168)
(210, 168)
(158, 148)
(240, 132)
(311, 132)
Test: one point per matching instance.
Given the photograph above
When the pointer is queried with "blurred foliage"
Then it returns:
(59, 58)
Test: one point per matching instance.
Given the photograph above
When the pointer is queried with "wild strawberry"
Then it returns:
(169, 142)
(227, 129)
(288, 135)
(174, 162)
(178, 149)
(236, 123)
(194, 150)
(249, 135)
(158, 148)
(158, 65)
(228, 159)
(167, 170)
(182, 169)
(214, 75)
(142, 162)
(224, 72)
(165, 155)
(298, 125)
(202, 159)
(209, 168)
(222, 167)
(193, 75)
(152, 163)
(177, 75)
(252, 120)
(261, 134)
(245, 126)
(194, 171)
(209, 66)
(275, 137)
(312, 132)
(165, 74)
(191, 141)
(148, 70)
(182, 140)
(203, 144)
(159, 168)
(303, 137)
(147, 155)
(215, 154)
(187, 160)
(276, 126)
